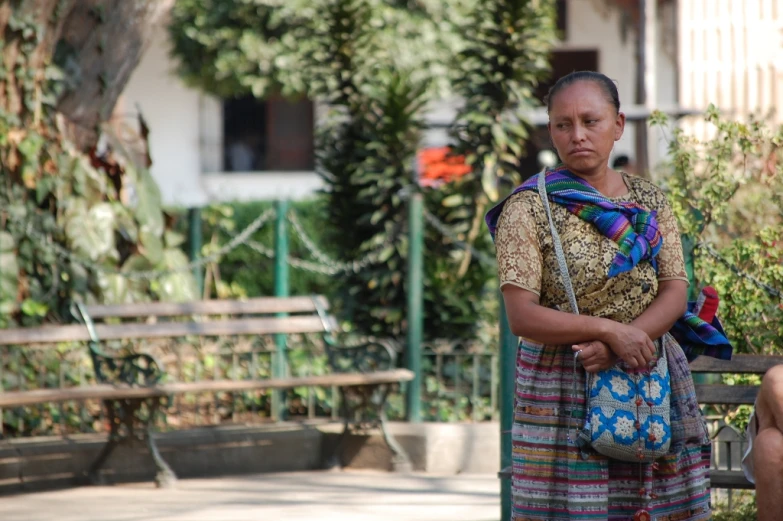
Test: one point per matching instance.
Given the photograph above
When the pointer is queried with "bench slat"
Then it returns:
(106, 391)
(758, 364)
(337, 379)
(729, 479)
(726, 394)
(251, 326)
(253, 306)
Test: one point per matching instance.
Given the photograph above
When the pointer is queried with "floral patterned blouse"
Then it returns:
(526, 256)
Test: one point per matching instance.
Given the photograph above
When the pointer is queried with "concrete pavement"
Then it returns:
(295, 496)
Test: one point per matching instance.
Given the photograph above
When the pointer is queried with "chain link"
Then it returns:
(737, 271)
(446, 232)
(152, 274)
(292, 261)
(329, 266)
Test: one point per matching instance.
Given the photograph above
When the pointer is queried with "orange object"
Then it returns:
(439, 165)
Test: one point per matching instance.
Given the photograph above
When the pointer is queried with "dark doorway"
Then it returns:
(567, 61)
(274, 134)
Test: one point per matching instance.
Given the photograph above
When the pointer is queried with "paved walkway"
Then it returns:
(300, 496)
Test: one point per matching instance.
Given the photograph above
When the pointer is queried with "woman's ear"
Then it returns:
(619, 126)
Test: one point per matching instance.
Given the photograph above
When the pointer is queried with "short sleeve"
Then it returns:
(671, 264)
(518, 249)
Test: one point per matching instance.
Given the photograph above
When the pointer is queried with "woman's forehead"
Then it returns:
(584, 93)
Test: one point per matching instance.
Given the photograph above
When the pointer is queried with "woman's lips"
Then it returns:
(581, 152)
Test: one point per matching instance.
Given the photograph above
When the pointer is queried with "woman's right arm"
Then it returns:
(530, 320)
(520, 269)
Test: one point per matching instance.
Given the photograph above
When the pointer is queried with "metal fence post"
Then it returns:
(508, 356)
(194, 246)
(279, 366)
(415, 303)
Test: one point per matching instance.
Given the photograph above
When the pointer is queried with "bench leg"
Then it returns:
(334, 461)
(165, 478)
(400, 460)
(94, 473)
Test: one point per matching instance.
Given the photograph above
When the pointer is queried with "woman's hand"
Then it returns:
(631, 344)
(595, 356)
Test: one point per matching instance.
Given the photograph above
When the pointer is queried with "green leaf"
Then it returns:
(151, 245)
(33, 308)
(489, 179)
(9, 273)
(452, 201)
(179, 285)
(90, 231)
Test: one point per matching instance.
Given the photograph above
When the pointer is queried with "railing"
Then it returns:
(460, 382)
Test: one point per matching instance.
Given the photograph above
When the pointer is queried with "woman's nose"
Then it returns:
(578, 134)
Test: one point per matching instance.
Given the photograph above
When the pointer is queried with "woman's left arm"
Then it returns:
(672, 299)
(668, 306)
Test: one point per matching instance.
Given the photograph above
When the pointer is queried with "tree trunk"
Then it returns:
(97, 43)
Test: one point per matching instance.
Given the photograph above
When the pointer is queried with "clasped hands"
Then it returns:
(628, 343)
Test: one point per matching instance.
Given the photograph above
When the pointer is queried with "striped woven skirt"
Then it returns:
(552, 481)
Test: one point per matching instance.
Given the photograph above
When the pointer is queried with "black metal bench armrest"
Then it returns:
(369, 357)
(136, 369)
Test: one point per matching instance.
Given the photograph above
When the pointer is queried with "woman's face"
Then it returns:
(584, 125)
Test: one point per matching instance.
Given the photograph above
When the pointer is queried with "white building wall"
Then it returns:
(731, 54)
(172, 113)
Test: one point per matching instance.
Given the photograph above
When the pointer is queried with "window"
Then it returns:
(562, 18)
(564, 62)
(274, 134)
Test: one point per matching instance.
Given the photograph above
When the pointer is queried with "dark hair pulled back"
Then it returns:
(603, 81)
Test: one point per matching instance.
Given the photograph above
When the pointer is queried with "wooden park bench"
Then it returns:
(132, 389)
(728, 446)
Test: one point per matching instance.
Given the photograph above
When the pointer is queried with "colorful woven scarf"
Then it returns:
(631, 226)
(635, 230)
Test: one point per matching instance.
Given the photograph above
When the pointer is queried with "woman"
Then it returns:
(629, 296)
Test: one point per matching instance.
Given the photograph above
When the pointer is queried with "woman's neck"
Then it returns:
(607, 181)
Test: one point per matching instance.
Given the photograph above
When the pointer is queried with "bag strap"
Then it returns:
(561, 260)
(582, 436)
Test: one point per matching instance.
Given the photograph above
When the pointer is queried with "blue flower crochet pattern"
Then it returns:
(621, 425)
(659, 428)
(617, 382)
(656, 389)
